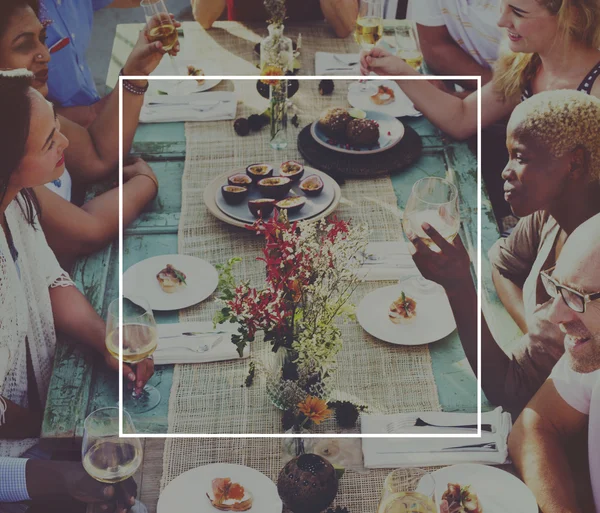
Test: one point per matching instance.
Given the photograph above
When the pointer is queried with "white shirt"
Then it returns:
(582, 392)
(25, 314)
(62, 186)
(471, 23)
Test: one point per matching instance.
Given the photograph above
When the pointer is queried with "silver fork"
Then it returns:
(344, 62)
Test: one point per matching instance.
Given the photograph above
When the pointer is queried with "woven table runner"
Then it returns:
(230, 45)
(210, 398)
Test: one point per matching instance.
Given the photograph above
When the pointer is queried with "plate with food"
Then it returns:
(244, 195)
(389, 99)
(171, 282)
(392, 315)
(220, 487)
(471, 488)
(186, 68)
(356, 131)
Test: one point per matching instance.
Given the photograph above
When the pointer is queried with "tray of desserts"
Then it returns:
(357, 132)
(242, 196)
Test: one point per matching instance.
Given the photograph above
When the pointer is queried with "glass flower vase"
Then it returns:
(286, 386)
(279, 114)
(276, 51)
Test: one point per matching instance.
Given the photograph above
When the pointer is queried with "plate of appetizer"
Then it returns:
(171, 282)
(186, 68)
(471, 488)
(220, 487)
(356, 131)
(391, 315)
(389, 99)
(242, 196)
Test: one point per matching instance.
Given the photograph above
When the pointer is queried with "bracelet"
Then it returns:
(132, 88)
(154, 180)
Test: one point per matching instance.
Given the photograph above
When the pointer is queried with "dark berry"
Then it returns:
(241, 126)
(326, 87)
(255, 122)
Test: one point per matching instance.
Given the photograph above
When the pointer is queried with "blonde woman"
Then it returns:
(552, 44)
(552, 181)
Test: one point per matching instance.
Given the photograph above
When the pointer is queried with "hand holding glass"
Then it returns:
(106, 457)
(160, 27)
(140, 339)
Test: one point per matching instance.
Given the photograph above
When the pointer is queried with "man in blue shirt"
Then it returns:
(69, 31)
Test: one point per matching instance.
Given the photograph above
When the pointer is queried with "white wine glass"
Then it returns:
(410, 490)
(408, 47)
(105, 456)
(160, 27)
(140, 339)
(369, 30)
(435, 201)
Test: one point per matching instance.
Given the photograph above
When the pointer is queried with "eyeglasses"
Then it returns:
(575, 300)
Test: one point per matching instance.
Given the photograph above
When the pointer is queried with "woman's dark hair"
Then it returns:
(8, 7)
(15, 118)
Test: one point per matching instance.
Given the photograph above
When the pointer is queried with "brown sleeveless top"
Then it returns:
(254, 10)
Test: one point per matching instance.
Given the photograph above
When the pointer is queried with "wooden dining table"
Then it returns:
(80, 385)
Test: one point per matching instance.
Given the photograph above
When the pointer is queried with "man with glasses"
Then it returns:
(569, 401)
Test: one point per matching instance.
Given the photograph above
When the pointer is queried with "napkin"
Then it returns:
(327, 64)
(387, 261)
(411, 452)
(169, 352)
(194, 107)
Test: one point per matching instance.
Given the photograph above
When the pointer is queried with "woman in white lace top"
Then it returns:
(37, 298)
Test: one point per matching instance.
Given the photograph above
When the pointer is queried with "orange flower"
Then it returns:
(271, 71)
(314, 409)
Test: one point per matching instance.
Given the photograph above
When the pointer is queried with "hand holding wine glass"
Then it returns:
(431, 222)
(161, 26)
(369, 30)
(140, 339)
(110, 459)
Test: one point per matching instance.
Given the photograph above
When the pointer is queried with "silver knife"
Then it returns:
(194, 334)
(487, 447)
(186, 104)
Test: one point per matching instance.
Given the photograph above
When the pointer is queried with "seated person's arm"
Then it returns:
(20, 422)
(537, 448)
(23, 479)
(341, 15)
(445, 57)
(206, 12)
(511, 296)
(71, 230)
(83, 115)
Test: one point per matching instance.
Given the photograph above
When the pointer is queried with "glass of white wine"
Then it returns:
(105, 456)
(408, 491)
(408, 47)
(368, 32)
(140, 339)
(435, 201)
(160, 27)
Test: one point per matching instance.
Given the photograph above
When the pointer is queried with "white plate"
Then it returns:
(498, 491)
(401, 106)
(434, 319)
(391, 132)
(201, 278)
(187, 492)
(182, 87)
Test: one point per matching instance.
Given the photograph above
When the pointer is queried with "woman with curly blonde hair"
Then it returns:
(551, 44)
(552, 180)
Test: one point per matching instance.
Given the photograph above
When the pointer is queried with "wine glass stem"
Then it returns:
(173, 65)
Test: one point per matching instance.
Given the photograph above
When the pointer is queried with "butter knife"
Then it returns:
(194, 334)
